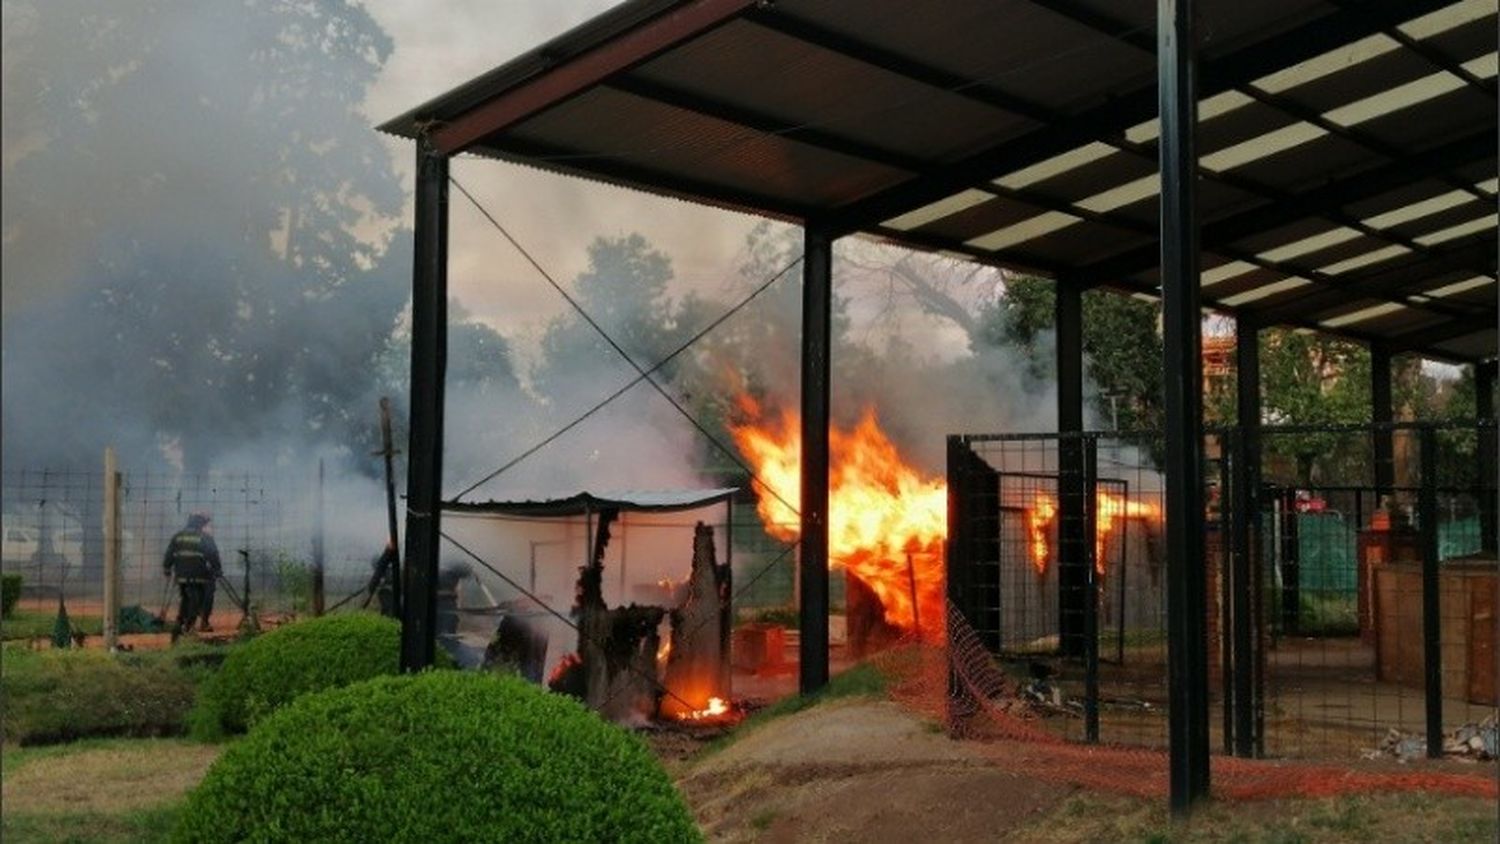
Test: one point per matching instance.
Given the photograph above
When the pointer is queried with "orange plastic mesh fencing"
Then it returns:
(962, 686)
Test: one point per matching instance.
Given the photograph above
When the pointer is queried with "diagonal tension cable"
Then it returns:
(641, 373)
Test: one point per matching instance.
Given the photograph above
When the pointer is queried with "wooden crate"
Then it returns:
(1467, 596)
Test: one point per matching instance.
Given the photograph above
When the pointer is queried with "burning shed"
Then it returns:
(634, 578)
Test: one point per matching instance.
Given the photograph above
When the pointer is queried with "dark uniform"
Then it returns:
(193, 559)
(386, 569)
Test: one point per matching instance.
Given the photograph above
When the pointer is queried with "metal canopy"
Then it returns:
(1347, 166)
(582, 503)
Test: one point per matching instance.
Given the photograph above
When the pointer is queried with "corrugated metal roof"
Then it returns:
(581, 503)
(1347, 149)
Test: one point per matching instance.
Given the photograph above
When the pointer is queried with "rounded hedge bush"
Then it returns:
(438, 756)
(269, 671)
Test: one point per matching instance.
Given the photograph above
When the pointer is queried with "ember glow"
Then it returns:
(881, 511)
(717, 708)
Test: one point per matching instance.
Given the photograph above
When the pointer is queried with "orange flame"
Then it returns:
(881, 511)
(1038, 519)
(1109, 509)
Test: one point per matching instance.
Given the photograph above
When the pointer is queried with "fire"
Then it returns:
(886, 521)
(717, 707)
(1109, 508)
(1038, 519)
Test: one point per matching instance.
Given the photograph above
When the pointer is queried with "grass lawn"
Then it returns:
(126, 790)
(29, 624)
(1341, 820)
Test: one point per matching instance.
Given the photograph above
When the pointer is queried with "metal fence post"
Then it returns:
(1432, 651)
(111, 550)
(1091, 590)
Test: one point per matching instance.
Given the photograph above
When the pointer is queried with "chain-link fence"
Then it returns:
(54, 540)
(1351, 584)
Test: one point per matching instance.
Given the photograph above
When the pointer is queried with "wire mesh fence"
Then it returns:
(1360, 621)
(54, 539)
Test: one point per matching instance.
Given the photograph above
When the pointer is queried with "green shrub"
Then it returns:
(10, 592)
(445, 756)
(62, 695)
(271, 670)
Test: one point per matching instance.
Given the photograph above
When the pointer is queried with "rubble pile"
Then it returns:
(1479, 742)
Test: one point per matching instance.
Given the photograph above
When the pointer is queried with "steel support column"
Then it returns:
(1381, 414)
(1484, 405)
(1182, 360)
(817, 268)
(1245, 522)
(429, 353)
(1072, 534)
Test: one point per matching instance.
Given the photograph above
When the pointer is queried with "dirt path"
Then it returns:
(858, 770)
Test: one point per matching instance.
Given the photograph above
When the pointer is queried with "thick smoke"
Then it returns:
(204, 267)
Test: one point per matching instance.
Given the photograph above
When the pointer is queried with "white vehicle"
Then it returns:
(41, 555)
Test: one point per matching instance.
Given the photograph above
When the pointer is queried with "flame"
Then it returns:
(1109, 509)
(663, 651)
(886, 521)
(717, 708)
(1038, 519)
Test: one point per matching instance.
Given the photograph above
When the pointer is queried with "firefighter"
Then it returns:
(192, 559)
(385, 569)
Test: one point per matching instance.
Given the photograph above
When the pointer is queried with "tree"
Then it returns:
(189, 191)
(1121, 346)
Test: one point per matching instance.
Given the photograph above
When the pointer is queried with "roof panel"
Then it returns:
(1010, 46)
(866, 112)
(742, 65)
(674, 141)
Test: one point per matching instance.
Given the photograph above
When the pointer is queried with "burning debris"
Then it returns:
(697, 655)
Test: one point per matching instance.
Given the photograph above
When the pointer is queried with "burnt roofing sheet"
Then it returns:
(1346, 147)
(582, 503)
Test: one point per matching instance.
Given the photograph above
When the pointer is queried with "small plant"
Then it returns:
(270, 670)
(294, 577)
(10, 592)
(439, 756)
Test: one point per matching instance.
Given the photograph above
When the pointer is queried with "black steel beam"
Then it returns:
(1182, 361)
(1382, 414)
(1432, 627)
(1330, 196)
(1484, 406)
(1326, 284)
(1245, 521)
(1073, 541)
(1416, 341)
(1110, 120)
(429, 353)
(1385, 281)
(817, 309)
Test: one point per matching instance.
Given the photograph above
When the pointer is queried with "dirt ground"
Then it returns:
(857, 770)
(862, 769)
